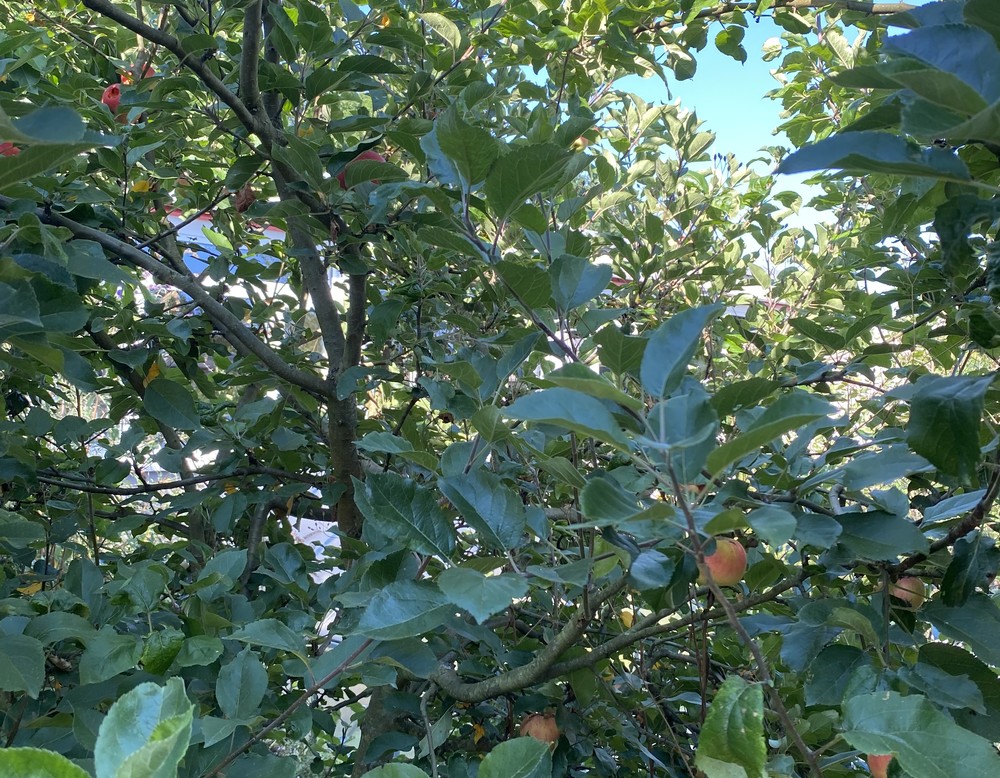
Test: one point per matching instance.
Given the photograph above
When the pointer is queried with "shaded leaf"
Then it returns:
(22, 665)
(671, 347)
(492, 508)
(945, 415)
(481, 595)
(241, 685)
(403, 609)
(405, 512)
(787, 413)
(520, 757)
(171, 403)
(570, 410)
(976, 623)
(875, 152)
(888, 723)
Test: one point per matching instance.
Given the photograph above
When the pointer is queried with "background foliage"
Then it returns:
(525, 369)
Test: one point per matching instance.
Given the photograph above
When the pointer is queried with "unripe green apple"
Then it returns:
(879, 764)
(727, 564)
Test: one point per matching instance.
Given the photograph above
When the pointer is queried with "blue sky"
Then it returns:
(730, 97)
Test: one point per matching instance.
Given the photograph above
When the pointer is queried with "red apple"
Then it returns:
(372, 155)
(879, 764)
(147, 72)
(541, 726)
(727, 565)
(911, 590)
(8, 149)
(112, 97)
(245, 198)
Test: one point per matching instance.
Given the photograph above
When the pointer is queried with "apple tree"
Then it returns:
(377, 381)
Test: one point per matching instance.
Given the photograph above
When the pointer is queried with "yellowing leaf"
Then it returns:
(31, 588)
(385, 21)
(143, 185)
(154, 372)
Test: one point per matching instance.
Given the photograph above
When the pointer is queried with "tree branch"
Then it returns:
(232, 328)
(65, 482)
(356, 320)
(317, 284)
(249, 83)
(535, 670)
(256, 125)
(714, 12)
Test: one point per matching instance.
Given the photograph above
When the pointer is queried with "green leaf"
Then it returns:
(481, 595)
(570, 410)
(976, 624)
(888, 723)
(146, 733)
(576, 281)
(199, 651)
(583, 379)
(22, 665)
(880, 536)
(19, 306)
(37, 763)
(403, 609)
(943, 688)
(775, 525)
(493, 509)
(109, 654)
(945, 417)
(471, 150)
(651, 569)
(406, 513)
(365, 170)
(172, 404)
(270, 633)
(733, 733)
(958, 662)
(54, 626)
(55, 125)
(520, 757)
(941, 88)
(876, 152)
(831, 673)
(882, 467)
(396, 771)
(444, 27)
(522, 173)
(160, 648)
(974, 563)
(17, 532)
(604, 501)
(671, 347)
(697, 7)
(225, 569)
(787, 413)
(529, 282)
(620, 353)
(968, 53)
(683, 432)
(241, 686)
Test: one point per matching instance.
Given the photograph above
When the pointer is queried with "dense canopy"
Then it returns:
(377, 381)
